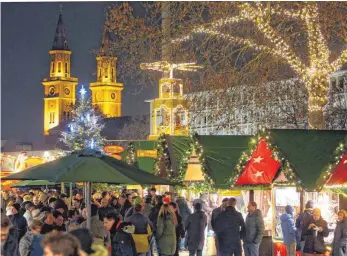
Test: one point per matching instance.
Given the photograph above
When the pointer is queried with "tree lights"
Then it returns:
(85, 128)
(314, 72)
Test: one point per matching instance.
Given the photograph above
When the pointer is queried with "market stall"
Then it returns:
(295, 166)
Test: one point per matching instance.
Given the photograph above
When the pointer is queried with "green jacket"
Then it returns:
(166, 235)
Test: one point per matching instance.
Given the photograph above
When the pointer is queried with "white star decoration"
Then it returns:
(83, 92)
(258, 159)
(258, 174)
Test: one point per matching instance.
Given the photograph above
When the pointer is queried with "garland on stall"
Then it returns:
(131, 155)
(286, 168)
(204, 165)
(340, 151)
(163, 159)
(183, 164)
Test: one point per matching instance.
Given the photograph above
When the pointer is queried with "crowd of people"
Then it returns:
(49, 223)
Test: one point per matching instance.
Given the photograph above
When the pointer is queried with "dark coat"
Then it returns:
(230, 229)
(140, 222)
(46, 229)
(153, 216)
(122, 243)
(303, 220)
(124, 208)
(309, 234)
(254, 227)
(215, 213)
(11, 245)
(20, 223)
(195, 227)
(183, 208)
(339, 245)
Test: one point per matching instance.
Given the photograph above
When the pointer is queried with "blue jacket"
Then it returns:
(288, 228)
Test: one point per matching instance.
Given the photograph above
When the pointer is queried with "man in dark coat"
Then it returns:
(9, 237)
(195, 227)
(153, 216)
(183, 208)
(179, 228)
(302, 221)
(18, 221)
(254, 230)
(230, 229)
(124, 205)
(214, 216)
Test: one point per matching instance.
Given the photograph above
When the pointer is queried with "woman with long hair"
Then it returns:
(166, 231)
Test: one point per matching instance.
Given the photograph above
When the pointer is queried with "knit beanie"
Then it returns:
(289, 209)
(16, 206)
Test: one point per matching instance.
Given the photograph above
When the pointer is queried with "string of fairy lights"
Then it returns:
(315, 74)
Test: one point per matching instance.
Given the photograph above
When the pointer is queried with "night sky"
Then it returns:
(27, 31)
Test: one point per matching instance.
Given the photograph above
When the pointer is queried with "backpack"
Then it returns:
(36, 248)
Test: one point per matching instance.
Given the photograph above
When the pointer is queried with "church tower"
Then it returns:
(60, 87)
(106, 92)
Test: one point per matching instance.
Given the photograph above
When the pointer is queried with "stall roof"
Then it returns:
(308, 151)
(221, 154)
(145, 162)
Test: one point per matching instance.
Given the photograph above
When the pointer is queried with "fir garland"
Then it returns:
(339, 152)
(286, 168)
(131, 158)
(163, 157)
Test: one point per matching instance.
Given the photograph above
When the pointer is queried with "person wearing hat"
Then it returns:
(29, 207)
(303, 220)
(289, 230)
(18, 221)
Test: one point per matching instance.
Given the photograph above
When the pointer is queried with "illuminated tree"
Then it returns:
(314, 74)
(257, 42)
(85, 128)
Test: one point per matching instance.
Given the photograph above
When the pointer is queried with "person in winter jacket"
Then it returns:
(97, 228)
(183, 208)
(195, 227)
(148, 207)
(18, 221)
(254, 230)
(30, 244)
(288, 230)
(180, 232)
(5, 199)
(153, 216)
(217, 211)
(9, 237)
(230, 229)
(339, 245)
(29, 207)
(317, 229)
(122, 242)
(303, 220)
(166, 231)
(46, 216)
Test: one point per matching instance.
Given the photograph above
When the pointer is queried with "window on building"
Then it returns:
(66, 67)
(112, 74)
(52, 66)
(106, 72)
(59, 66)
(51, 117)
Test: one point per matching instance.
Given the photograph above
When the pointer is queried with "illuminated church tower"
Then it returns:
(169, 112)
(106, 92)
(60, 87)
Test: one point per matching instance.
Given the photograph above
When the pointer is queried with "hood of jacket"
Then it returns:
(284, 217)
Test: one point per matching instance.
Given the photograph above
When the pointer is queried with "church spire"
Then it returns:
(60, 40)
(105, 43)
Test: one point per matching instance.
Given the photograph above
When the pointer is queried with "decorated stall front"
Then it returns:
(294, 164)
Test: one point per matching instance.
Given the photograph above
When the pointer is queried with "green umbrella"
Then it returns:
(32, 183)
(88, 166)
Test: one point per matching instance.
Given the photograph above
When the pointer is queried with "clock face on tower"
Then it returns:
(113, 95)
(51, 91)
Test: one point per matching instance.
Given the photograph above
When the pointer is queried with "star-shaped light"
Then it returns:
(258, 159)
(258, 174)
(83, 92)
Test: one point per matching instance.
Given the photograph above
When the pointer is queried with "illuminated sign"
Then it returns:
(152, 153)
(114, 151)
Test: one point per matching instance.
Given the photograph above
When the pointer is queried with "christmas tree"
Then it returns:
(86, 126)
